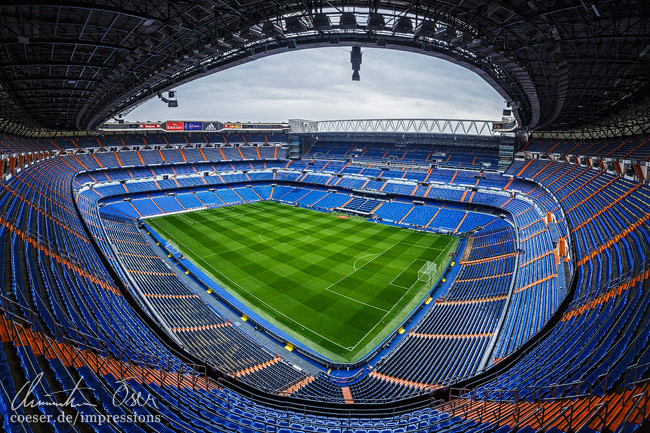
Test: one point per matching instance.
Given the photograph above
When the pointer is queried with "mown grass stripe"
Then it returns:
(338, 285)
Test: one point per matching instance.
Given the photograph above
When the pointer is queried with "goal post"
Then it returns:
(427, 271)
(172, 247)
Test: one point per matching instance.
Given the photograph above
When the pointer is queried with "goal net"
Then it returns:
(427, 271)
(172, 247)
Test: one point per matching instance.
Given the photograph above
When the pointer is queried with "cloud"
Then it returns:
(316, 84)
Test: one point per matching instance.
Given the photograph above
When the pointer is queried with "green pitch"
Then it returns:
(340, 286)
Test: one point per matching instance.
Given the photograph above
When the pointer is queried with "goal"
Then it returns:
(172, 248)
(427, 271)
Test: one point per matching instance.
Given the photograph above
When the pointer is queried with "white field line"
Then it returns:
(401, 287)
(180, 215)
(366, 255)
(404, 270)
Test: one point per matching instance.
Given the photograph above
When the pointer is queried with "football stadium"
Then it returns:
(380, 275)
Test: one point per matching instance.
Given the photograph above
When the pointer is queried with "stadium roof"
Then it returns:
(71, 65)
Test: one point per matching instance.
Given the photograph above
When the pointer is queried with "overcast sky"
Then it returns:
(316, 84)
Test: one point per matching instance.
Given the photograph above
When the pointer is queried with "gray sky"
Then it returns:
(316, 84)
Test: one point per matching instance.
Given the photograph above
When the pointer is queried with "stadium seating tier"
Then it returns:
(65, 316)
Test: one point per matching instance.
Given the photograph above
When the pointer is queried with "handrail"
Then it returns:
(534, 414)
(596, 415)
(635, 408)
(561, 414)
(635, 368)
